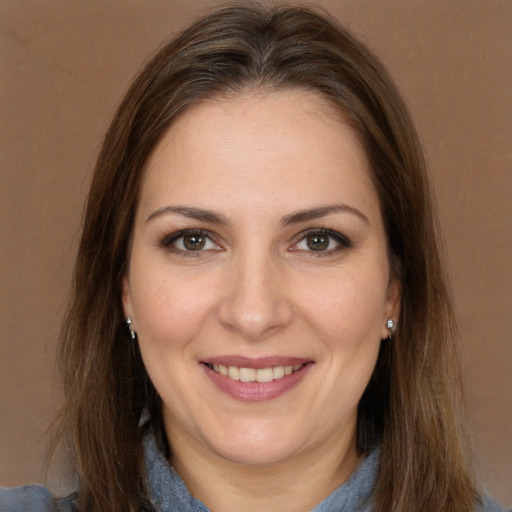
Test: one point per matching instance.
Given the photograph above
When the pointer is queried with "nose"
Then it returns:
(256, 304)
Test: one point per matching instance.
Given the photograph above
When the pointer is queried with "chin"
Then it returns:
(256, 446)
(255, 456)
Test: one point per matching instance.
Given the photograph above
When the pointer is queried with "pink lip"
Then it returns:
(257, 391)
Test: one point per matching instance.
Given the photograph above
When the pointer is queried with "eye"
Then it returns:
(190, 241)
(322, 241)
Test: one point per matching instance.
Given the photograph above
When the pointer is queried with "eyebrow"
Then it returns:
(297, 217)
(322, 211)
(192, 213)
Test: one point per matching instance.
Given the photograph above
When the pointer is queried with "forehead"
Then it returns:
(259, 146)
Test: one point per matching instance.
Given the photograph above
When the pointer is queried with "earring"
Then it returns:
(129, 324)
(390, 324)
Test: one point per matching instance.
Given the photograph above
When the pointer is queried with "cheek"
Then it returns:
(168, 308)
(346, 307)
(349, 327)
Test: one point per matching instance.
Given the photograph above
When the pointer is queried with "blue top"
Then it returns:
(169, 493)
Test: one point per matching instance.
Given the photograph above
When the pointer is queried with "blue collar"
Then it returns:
(169, 493)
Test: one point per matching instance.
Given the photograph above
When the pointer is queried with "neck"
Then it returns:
(297, 484)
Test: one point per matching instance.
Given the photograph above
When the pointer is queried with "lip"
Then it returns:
(256, 391)
(256, 362)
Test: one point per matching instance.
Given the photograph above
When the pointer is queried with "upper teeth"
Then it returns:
(253, 374)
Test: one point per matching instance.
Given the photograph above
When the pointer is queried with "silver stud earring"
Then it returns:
(129, 324)
(390, 324)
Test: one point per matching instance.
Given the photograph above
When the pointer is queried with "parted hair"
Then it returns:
(413, 405)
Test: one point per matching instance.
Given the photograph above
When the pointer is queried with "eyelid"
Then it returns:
(343, 242)
(167, 241)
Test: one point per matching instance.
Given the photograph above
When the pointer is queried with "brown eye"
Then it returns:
(317, 242)
(189, 241)
(322, 241)
(194, 242)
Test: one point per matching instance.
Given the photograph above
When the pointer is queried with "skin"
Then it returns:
(257, 289)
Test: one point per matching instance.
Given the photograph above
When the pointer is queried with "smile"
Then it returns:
(254, 374)
(255, 380)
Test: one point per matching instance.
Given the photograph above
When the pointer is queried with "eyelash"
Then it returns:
(342, 242)
(168, 241)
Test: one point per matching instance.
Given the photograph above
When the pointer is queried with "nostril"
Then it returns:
(254, 304)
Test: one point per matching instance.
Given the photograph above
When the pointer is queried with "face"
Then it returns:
(259, 282)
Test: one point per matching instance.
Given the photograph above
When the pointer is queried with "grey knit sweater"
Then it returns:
(169, 494)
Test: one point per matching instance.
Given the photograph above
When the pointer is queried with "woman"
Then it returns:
(260, 317)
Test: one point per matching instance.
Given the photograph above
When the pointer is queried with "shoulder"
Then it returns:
(490, 505)
(32, 498)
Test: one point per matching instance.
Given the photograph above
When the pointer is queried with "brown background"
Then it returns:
(64, 66)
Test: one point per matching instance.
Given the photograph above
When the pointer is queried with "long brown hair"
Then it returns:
(411, 407)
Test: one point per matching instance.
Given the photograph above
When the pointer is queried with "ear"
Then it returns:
(126, 297)
(392, 305)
